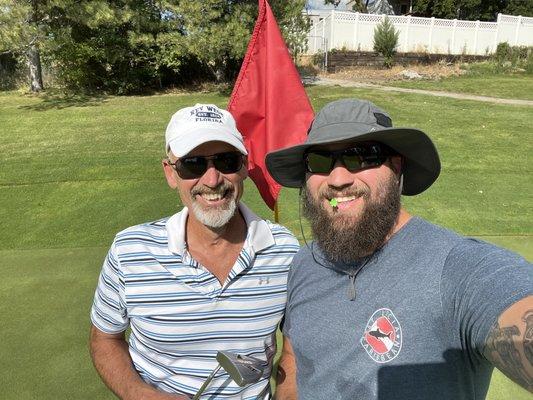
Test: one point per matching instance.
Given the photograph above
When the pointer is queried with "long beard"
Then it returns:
(348, 239)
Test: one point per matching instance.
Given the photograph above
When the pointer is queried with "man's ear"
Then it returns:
(245, 164)
(396, 163)
(170, 173)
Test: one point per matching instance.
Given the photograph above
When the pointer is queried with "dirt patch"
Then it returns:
(380, 75)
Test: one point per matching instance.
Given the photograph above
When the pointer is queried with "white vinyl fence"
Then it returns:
(355, 31)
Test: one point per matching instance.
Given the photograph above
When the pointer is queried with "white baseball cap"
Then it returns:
(192, 126)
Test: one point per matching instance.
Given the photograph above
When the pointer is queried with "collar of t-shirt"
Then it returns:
(258, 235)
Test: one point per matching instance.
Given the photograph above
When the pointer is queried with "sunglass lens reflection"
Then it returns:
(319, 163)
(195, 167)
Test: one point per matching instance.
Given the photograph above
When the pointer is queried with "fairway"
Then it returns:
(76, 170)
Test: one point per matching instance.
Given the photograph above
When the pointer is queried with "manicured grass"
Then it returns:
(74, 176)
(76, 170)
(508, 86)
(45, 298)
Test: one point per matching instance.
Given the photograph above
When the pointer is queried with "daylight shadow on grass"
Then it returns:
(60, 101)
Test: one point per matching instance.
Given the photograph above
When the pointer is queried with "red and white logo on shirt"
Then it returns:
(382, 338)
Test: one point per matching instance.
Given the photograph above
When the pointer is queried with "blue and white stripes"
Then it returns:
(179, 313)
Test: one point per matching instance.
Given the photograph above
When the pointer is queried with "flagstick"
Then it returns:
(276, 212)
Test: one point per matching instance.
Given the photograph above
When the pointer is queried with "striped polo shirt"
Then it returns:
(179, 313)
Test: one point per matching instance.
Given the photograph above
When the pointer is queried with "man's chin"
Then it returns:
(215, 216)
(349, 234)
(345, 216)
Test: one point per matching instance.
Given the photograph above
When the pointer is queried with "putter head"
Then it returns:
(242, 369)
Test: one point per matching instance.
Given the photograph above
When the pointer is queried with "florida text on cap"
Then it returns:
(192, 126)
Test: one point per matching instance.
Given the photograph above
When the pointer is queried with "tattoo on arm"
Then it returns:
(528, 336)
(511, 352)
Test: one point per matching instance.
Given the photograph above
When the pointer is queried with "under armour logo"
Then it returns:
(264, 280)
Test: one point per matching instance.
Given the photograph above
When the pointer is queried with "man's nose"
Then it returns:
(212, 177)
(340, 177)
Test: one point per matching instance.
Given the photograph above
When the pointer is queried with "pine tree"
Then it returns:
(385, 40)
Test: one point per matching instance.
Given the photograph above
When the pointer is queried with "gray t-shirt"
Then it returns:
(416, 329)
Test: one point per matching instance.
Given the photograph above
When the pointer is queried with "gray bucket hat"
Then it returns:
(350, 121)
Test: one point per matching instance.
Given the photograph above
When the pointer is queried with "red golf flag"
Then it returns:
(268, 102)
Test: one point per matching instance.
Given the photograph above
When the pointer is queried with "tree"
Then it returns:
(385, 40)
(484, 10)
(335, 3)
(125, 46)
(218, 31)
(119, 46)
(22, 31)
(436, 8)
(519, 7)
(293, 23)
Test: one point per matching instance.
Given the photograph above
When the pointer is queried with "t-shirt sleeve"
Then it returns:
(291, 279)
(109, 313)
(479, 282)
(285, 325)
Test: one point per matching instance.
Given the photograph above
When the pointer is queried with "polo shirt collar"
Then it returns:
(258, 236)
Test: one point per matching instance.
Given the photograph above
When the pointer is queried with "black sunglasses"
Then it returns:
(194, 167)
(354, 158)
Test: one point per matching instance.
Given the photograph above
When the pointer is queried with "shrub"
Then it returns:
(385, 40)
(11, 71)
(318, 60)
(503, 53)
(529, 64)
(510, 58)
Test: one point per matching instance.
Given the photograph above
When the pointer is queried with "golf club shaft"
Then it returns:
(206, 383)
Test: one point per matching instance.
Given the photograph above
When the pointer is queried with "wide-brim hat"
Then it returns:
(352, 121)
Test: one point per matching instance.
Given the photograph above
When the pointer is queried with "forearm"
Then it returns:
(510, 343)
(113, 362)
(286, 375)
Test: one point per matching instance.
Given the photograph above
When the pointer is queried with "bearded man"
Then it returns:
(210, 278)
(385, 305)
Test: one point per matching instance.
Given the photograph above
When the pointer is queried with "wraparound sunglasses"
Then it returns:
(354, 158)
(194, 167)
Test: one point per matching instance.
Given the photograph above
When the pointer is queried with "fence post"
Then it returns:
(325, 54)
(324, 29)
(453, 36)
(431, 26)
(475, 37)
(332, 36)
(497, 34)
(406, 43)
(355, 29)
(518, 23)
(313, 35)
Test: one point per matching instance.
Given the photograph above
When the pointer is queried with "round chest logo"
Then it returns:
(382, 338)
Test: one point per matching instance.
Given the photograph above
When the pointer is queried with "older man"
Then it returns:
(385, 305)
(211, 277)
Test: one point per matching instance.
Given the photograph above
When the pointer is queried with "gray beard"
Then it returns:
(348, 240)
(217, 218)
(214, 218)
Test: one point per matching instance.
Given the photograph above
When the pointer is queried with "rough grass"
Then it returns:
(479, 80)
(76, 170)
